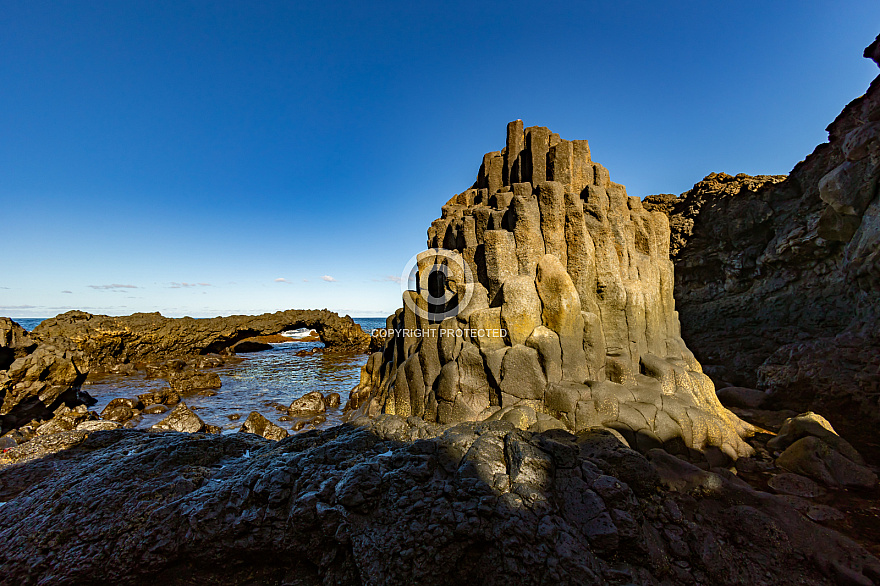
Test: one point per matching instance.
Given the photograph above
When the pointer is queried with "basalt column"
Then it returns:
(576, 277)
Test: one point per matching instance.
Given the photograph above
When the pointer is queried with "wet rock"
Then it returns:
(153, 409)
(181, 418)
(246, 346)
(193, 380)
(332, 400)
(98, 425)
(36, 383)
(259, 425)
(307, 405)
(120, 410)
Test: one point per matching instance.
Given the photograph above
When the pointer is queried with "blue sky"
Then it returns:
(208, 158)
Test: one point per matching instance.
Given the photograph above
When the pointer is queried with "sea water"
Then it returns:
(261, 382)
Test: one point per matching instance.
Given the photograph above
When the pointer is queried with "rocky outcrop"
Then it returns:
(14, 342)
(35, 380)
(777, 280)
(548, 290)
(470, 503)
(147, 337)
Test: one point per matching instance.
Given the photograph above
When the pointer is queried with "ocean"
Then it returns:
(260, 382)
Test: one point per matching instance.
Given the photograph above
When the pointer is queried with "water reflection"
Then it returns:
(259, 381)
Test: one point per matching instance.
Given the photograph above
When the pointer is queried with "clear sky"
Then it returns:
(207, 158)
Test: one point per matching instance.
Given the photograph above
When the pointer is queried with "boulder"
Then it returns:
(181, 418)
(259, 425)
(309, 404)
(742, 397)
(813, 457)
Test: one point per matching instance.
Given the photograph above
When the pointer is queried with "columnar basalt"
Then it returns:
(576, 277)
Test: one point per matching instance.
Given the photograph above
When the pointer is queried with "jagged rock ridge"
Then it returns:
(578, 275)
(778, 279)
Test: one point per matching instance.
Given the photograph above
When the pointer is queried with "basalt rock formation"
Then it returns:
(777, 279)
(105, 341)
(397, 501)
(562, 310)
(35, 379)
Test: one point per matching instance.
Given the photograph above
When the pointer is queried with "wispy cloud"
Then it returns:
(329, 279)
(14, 307)
(389, 279)
(113, 287)
(305, 280)
(184, 285)
(66, 291)
(282, 280)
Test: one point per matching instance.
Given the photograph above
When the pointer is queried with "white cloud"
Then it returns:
(113, 287)
(66, 291)
(329, 279)
(184, 285)
(282, 280)
(305, 280)
(390, 279)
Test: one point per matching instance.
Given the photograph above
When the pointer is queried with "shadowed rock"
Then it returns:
(777, 278)
(470, 503)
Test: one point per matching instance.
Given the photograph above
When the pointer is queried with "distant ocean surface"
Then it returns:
(367, 323)
(260, 382)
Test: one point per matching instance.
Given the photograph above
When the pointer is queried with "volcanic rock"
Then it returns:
(452, 501)
(193, 380)
(259, 425)
(777, 279)
(14, 342)
(575, 277)
(307, 405)
(181, 418)
(145, 337)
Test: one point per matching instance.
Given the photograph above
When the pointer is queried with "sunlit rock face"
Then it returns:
(556, 310)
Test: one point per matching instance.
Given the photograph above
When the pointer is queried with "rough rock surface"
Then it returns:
(142, 337)
(35, 379)
(181, 418)
(577, 275)
(471, 503)
(777, 280)
(259, 425)
(14, 342)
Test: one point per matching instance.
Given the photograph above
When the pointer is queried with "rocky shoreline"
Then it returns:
(585, 445)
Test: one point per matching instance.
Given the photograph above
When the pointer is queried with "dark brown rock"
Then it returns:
(777, 279)
(144, 337)
(307, 405)
(259, 425)
(181, 418)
